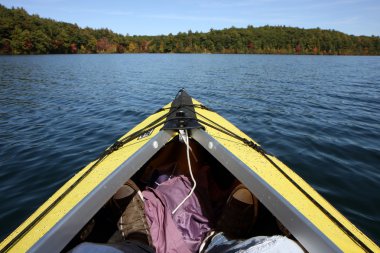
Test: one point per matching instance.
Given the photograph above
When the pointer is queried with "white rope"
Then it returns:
(185, 138)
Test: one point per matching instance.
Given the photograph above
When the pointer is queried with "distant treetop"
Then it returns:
(21, 33)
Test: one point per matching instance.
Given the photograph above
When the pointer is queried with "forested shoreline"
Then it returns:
(21, 33)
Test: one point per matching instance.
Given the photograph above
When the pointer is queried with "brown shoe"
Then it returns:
(132, 223)
(121, 199)
(240, 214)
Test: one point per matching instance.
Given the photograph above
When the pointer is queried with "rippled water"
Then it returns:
(320, 115)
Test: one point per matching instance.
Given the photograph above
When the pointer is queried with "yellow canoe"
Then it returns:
(311, 220)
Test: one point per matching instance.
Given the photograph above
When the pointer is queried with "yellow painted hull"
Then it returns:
(273, 177)
(293, 191)
(93, 179)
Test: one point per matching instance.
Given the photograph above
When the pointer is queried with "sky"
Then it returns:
(156, 17)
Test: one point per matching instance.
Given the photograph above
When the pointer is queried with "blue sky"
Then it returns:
(154, 17)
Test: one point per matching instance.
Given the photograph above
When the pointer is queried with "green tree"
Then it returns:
(21, 33)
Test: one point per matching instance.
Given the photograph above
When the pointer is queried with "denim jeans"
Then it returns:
(263, 244)
(219, 244)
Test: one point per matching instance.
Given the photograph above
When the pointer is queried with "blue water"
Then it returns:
(318, 114)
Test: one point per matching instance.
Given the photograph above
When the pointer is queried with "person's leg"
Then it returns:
(263, 244)
(219, 243)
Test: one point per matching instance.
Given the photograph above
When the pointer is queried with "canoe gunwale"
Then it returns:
(308, 235)
(62, 232)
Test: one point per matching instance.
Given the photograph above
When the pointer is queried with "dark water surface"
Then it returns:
(319, 115)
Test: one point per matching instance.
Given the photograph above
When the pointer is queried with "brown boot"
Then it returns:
(240, 214)
(132, 223)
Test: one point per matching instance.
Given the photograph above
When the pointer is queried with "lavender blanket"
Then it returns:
(182, 231)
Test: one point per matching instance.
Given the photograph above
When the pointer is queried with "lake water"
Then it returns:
(318, 114)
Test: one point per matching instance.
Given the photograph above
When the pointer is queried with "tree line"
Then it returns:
(21, 33)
